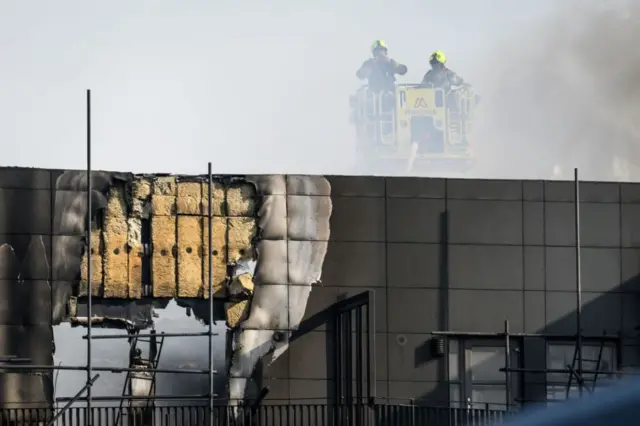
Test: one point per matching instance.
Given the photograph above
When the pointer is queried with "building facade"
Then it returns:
(448, 264)
(463, 257)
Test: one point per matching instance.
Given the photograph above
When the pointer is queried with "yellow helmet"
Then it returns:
(438, 56)
(379, 44)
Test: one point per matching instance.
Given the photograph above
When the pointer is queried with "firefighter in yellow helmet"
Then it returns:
(439, 75)
(380, 70)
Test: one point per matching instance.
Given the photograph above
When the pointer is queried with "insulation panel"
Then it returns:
(189, 200)
(241, 233)
(241, 200)
(218, 196)
(96, 266)
(116, 259)
(219, 256)
(189, 256)
(163, 235)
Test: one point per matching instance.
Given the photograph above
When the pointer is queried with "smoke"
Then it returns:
(564, 93)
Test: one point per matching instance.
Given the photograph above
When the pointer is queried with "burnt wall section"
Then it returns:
(466, 255)
(25, 285)
(293, 223)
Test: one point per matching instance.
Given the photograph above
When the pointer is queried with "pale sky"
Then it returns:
(251, 86)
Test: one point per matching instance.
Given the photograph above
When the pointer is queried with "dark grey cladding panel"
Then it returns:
(415, 220)
(600, 192)
(24, 178)
(599, 224)
(630, 226)
(308, 357)
(534, 316)
(486, 267)
(594, 192)
(630, 192)
(32, 256)
(357, 186)
(533, 222)
(630, 313)
(357, 264)
(600, 312)
(534, 268)
(411, 359)
(358, 219)
(416, 310)
(485, 222)
(630, 273)
(416, 265)
(485, 310)
(24, 211)
(414, 187)
(34, 342)
(533, 190)
(25, 303)
(600, 269)
(484, 189)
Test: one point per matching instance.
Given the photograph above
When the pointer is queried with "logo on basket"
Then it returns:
(420, 103)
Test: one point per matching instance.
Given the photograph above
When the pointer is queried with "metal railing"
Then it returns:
(264, 415)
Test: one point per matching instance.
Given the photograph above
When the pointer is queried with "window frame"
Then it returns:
(592, 343)
(464, 373)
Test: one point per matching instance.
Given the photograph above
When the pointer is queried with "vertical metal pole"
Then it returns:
(578, 280)
(210, 260)
(507, 361)
(88, 418)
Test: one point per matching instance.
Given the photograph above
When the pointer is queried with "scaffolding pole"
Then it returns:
(162, 334)
(210, 260)
(106, 369)
(88, 418)
(578, 279)
(507, 362)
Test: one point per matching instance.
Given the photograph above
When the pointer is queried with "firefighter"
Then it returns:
(439, 76)
(380, 70)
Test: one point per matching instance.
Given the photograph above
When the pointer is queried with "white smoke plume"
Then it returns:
(565, 93)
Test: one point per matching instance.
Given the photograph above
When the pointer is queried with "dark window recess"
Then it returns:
(430, 140)
(145, 236)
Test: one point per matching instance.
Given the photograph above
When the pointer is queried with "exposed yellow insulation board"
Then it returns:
(241, 200)
(242, 231)
(218, 258)
(189, 256)
(236, 312)
(217, 208)
(116, 258)
(189, 198)
(163, 265)
(96, 266)
(179, 239)
(163, 201)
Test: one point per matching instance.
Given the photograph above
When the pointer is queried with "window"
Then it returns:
(562, 355)
(475, 379)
